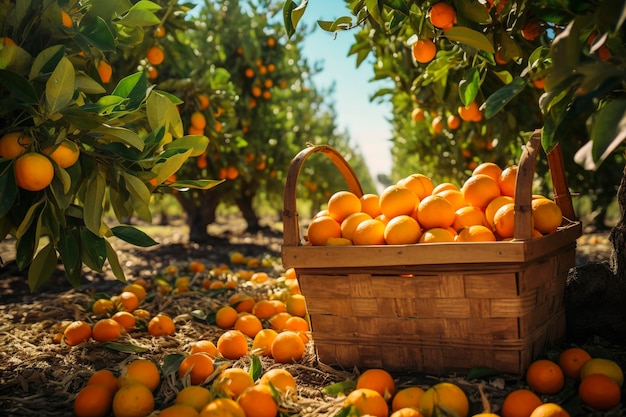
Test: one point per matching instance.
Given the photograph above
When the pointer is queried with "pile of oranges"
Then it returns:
(414, 210)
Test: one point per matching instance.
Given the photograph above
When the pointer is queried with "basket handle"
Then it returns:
(291, 232)
(523, 185)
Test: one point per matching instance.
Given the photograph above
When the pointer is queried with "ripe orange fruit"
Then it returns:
(33, 171)
(437, 125)
(478, 190)
(369, 232)
(262, 343)
(571, 360)
(155, 55)
(370, 204)
(549, 410)
(225, 317)
(476, 233)
(105, 378)
(194, 396)
(520, 403)
(545, 377)
(106, 330)
(93, 401)
(5, 41)
(488, 168)
(453, 121)
(161, 325)
(443, 186)
(547, 215)
(66, 20)
(417, 114)
(493, 206)
(397, 200)
(65, 154)
(507, 180)
(280, 378)
(435, 211)
(222, 407)
(14, 144)
(232, 382)
(287, 347)
(342, 204)
(125, 319)
(407, 397)
(600, 392)
(349, 224)
(296, 324)
(445, 394)
(424, 50)
(258, 401)
(321, 229)
(603, 366)
(296, 305)
(102, 306)
(264, 309)
(248, 324)
(204, 346)
(531, 30)
(278, 320)
(137, 289)
(367, 402)
(179, 410)
(199, 366)
(105, 71)
(410, 412)
(468, 216)
(127, 301)
(402, 230)
(436, 235)
(442, 15)
(159, 32)
(379, 380)
(133, 400)
(420, 184)
(77, 332)
(141, 371)
(471, 113)
(232, 344)
(242, 303)
(455, 197)
(198, 120)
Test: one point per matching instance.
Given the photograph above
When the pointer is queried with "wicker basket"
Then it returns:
(440, 307)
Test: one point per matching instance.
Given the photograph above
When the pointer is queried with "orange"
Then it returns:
(161, 325)
(435, 211)
(199, 366)
(424, 50)
(321, 229)
(105, 378)
(397, 200)
(453, 121)
(106, 330)
(436, 235)
(14, 144)
(297, 324)
(66, 20)
(420, 184)
(287, 347)
(133, 400)
(342, 204)
(531, 30)
(65, 154)
(232, 382)
(488, 168)
(248, 324)
(179, 410)
(194, 396)
(222, 407)
(407, 412)
(520, 403)
(125, 319)
(33, 171)
(417, 114)
(547, 215)
(476, 233)
(137, 289)
(369, 232)
(262, 343)
(159, 32)
(232, 344)
(5, 41)
(203, 99)
(507, 180)
(455, 197)
(545, 377)
(127, 301)
(105, 71)
(198, 120)
(549, 410)
(468, 216)
(281, 379)
(258, 401)
(243, 303)
(478, 190)
(444, 186)
(278, 320)
(471, 113)
(367, 402)
(445, 394)
(442, 15)
(77, 332)
(379, 380)
(599, 392)
(504, 221)
(225, 317)
(296, 305)
(141, 371)
(349, 224)
(494, 205)
(155, 55)
(402, 230)
(571, 360)
(603, 366)
(93, 401)
(102, 306)
(370, 204)
(437, 124)
(204, 346)
(264, 309)
(407, 397)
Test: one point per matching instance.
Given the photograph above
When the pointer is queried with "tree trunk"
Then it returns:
(244, 202)
(200, 214)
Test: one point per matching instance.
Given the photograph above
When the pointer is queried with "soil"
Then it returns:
(41, 377)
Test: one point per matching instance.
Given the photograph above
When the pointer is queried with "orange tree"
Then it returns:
(82, 137)
(261, 111)
(524, 65)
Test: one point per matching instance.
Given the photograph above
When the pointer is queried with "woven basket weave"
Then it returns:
(440, 307)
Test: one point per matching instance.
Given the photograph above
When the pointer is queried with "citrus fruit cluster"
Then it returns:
(414, 210)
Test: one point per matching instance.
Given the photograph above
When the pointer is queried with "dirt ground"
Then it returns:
(40, 377)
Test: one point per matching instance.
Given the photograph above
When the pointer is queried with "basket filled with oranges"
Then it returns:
(434, 278)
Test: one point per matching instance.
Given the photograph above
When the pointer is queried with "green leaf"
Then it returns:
(503, 96)
(32, 214)
(469, 37)
(338, 388)
(146, 5)
(137, 17)
(374, 11)
(469, 86)
(292, 13)
(171, 363)
(94, 202)
(46, 61)
(43, 266)
(92, 249)
(114, 262)
(135, 88)
(609, 129)
(171, 166)
(88, 85)
(15, 58)
(196, 184)
(8, 187)
(481, 373)
(97, 33)
(510, 48)
(18, 86)
(69, 253)
(160, 111)
(133, 236)
(125, 347)
(473, 11)
(196, 143)
(342, 23)
(256, 368)
(137, 188)
(60, 86)
(122, 135)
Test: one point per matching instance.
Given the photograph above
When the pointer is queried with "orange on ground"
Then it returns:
(278, 320)
(65, 154)
(494, 205)
(105, 378)
(442, 15)
(545, 377)
(194, 396)
(397, 200)
(342, 204)
(33, 171)
(367, 402)
(179, 410)
(204, 346)
(369, 232)
(424, 50)
(445, 394)
(504, 221)
(407, 397)
(476, 233)
(280, 378)
(199, 366)
(106, 330)
(520, 403)
(411, 412)
(436, 235)
(321, 229)
(133, 400)
(402, 230)
(507, 180)
(161, 325)
(242, 303)
(225, 317)
(155, 55)
(141, 371)
(248, 324)
(349, 224)
(420, 184)
(232, 344)
(232, 382)
(264, 309)
(14, 144)
(222, 407)
(435, 211)
(287, 347)
(603, 366)
(600, 392)
(547, 215)
(93, 401)
(571, 360)
(296, 305)
(549, 410)
(127, 301)
(370, 204)
(379, 380)
(262, 343)
(468, 216)
(455, 197)
(258, 401)
(478, 190)
(488, 168)
(102, 306)
(138, 290)
(77, 332)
